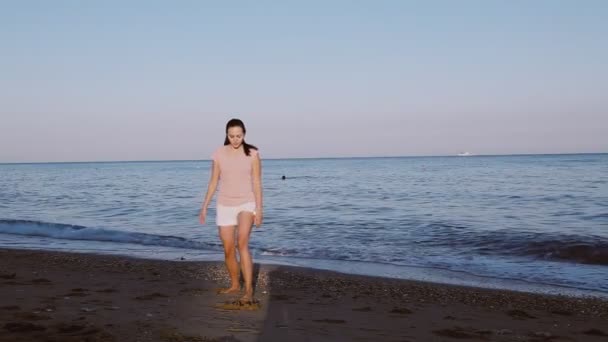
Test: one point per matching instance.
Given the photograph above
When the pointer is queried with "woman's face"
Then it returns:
(235, 136)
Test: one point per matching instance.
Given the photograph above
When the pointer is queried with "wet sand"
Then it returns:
(53, 296)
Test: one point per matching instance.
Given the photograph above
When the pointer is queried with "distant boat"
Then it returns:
(465, 154)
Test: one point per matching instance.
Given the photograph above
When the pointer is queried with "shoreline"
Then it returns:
(424, 274)
(100, 297)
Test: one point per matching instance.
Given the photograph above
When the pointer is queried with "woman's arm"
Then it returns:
(213, 180)
(257, 189)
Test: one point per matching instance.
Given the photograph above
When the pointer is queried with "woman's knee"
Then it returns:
(243, 246)
(229, 250)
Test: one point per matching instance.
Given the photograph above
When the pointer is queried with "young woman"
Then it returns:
(236, 168)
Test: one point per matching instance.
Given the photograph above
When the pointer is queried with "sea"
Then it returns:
(534, 223)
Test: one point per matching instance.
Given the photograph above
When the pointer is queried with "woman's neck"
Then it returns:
(238, 149)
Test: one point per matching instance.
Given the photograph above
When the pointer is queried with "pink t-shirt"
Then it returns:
(236, 179)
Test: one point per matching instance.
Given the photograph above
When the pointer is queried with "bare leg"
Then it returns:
(245, 220)
(228, 240)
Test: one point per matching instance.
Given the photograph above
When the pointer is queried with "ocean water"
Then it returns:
(530, 222)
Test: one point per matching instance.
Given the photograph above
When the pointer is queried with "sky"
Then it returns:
(158, 80)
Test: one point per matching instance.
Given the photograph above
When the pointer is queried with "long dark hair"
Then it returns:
(238, 123)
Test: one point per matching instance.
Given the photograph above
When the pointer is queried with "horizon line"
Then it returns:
(299, 158)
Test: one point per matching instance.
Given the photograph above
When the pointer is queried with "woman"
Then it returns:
(236, 168)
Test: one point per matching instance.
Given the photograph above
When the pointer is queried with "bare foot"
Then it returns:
(228, 290)
(247, 298)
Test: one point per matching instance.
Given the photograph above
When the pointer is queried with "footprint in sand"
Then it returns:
(401, 311)
(453, 333)
(23, 327)
(80, 332)
(332, 321)
(11, 307)
(107, 291)
(152, 296)
(171, 334)
(239, 305)
(562, 312)
(112, 308)
(519, 314)
(11, 282)
(595, 332)
(46, 308)
(41, 281)
(194, 291)
(69, 328)
(279, 297)
(30, 316)
(363, 309)
(245, 330)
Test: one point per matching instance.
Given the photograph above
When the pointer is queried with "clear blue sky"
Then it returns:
(154, 80)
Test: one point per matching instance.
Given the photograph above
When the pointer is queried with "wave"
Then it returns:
(76, 232)
(585, 252)
(585, 249)
(599, 217)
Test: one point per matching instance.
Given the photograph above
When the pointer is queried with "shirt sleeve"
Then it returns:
(216, 155)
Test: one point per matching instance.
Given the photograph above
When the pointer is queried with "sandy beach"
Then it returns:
(53, 296)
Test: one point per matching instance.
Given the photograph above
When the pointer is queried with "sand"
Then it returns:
(55, 296)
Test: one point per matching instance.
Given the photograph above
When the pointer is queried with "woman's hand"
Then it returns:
(202, 216)
(259, 217)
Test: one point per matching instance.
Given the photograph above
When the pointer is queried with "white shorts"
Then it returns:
(227, 216)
